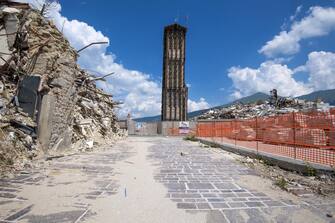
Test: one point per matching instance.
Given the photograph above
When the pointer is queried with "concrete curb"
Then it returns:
(281, 161)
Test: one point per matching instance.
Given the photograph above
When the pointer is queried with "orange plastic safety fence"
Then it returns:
(305, 136)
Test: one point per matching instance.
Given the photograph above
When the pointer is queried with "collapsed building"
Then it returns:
(275, 105)
(47, 102)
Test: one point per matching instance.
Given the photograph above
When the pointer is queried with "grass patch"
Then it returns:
(190, 138)
(310, 170)
(281, 183)
(264, 161)
(213, 145)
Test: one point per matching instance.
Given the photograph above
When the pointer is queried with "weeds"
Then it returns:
(281, 183)
(264, 161)
(311, 171)
(190, 138)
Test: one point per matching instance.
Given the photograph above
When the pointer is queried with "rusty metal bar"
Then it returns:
(91, 44)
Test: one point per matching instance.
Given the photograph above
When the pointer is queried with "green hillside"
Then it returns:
(327, 96)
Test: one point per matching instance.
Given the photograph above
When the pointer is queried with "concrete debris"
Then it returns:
(48, 104)
(275, 105)
(293, 182)
(9, 10)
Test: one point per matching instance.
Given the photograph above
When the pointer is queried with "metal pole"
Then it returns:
(213, 130)
(235, 131)
(95, 43)
(294, 128)
(256, 134)
(221, 133)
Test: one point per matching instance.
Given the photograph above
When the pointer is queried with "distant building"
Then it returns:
(174, 92)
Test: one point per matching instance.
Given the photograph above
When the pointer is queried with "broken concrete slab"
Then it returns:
(5, 53)
(10, 10)
(12, 26)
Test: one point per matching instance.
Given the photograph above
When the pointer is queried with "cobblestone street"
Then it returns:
(153, 179)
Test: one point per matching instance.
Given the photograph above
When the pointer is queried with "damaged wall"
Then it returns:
(52, 57)
(67, 107)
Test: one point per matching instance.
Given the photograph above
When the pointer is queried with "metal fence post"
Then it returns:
(235, 131)
(221, 132)
(212, 132)
(294, 140)
(256, 120)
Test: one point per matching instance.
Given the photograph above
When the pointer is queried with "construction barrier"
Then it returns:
(304, 136)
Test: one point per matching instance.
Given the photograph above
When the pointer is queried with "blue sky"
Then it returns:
(232, 50)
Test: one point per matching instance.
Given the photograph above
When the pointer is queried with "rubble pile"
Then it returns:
(94, 118)
(47, 102)
(273, 106)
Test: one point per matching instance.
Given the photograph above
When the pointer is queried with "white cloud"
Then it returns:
(197, 105)
(268, 76)
(321, 69)
(140, 94)
(319, 22)
(297, 11)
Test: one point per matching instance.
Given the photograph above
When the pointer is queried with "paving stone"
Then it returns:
(225, 186)
(239, 199)
(66, 216)
(186, 205)
(176, 199)
(170, 171)
(185, 196)
(240, 190)
(7, 195)
(259, 194)
(19, 213)
(254, 199)
(216, 199)
(273, 203)
(237, 204)
(265, 199)
(202, 168)
(226, 195)
(189, 200)
(174, 186)
(226, 191)
(191, 191)
(8, 190)
(289, 202)
(203, 206)
(94, 193)
(219, 205)
(244, 194)
(201, 200)
(209, 195)
(254, 204)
